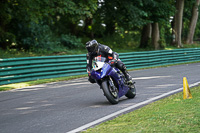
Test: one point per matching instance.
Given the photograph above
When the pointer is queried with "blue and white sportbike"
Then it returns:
(111, 81)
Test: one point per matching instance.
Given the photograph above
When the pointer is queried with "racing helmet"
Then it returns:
(92, 46)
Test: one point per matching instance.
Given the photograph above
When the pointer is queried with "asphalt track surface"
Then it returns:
(64, 106)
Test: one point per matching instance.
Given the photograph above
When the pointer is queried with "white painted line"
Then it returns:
(151, 77)
(127, 109)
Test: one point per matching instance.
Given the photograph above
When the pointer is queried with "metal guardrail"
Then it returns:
(14, 70)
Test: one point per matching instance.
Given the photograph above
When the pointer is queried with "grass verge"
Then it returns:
(36, 82)
(14, 53)
(172, 114)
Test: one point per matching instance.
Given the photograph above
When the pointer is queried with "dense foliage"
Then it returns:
(55, 25)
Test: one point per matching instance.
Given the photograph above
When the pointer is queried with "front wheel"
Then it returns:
(110, 92)
(131, 92)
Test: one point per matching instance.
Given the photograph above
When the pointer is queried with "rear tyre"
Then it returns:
(110, 93)
(131, 92)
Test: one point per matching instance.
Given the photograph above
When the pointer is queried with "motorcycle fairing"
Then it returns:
(107, 70)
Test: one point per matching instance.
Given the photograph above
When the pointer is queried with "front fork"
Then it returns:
(112, 87)
(111, 83)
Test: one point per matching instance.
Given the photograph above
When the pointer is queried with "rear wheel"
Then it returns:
(110, 91)
(131, 92)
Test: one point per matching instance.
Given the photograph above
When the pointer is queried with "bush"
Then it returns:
(71, 41)
(40, 37)
(6, 39)
(119, 41)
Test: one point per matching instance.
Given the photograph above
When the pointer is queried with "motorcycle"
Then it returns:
(111, 81)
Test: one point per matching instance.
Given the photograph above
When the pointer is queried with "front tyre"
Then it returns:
(110, 93)
(131, 92)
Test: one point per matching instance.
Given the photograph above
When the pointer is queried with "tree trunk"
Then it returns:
(155, 36)
(193, 23)
(146, 35)
(72, 28)
(173, 32)
(110, 27)
(87, 31)
(178, 22)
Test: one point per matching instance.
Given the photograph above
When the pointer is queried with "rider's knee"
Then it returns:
(91, 80)
(121, 65)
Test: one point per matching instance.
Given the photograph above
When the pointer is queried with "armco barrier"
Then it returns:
(13, 70)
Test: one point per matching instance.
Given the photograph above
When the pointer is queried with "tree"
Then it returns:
(158, 11)
(178, 22)
(42, 24)
(155, 36)
(193, 22)
(116, 13)
(146, 35)
(6, 37)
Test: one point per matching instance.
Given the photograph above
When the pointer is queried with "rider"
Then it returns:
(96, 49)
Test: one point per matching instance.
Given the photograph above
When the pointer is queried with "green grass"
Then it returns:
(14, 53)
(36, 82)
(169, 115)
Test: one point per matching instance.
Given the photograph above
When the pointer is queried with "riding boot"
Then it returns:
(122, 67)
(127, 76)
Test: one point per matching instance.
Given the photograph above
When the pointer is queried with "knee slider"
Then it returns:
(91, 80)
